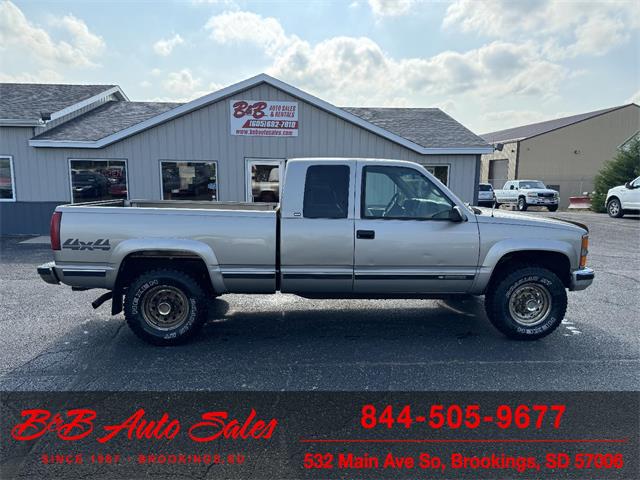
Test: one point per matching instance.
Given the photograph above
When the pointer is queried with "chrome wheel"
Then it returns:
(614, 208)
(165, 307)
(530, 304)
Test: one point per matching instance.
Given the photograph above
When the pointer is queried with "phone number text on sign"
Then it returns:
(263, 118)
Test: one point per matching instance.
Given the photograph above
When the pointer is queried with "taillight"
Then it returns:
(54, 231)
(584, 250)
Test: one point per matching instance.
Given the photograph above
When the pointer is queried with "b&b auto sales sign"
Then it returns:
(263, 118)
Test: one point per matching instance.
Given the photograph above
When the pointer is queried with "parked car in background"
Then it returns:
(486, 196)
(90, 185)
(118, 190)
(624, 199)
(527, 193)
(346, 228)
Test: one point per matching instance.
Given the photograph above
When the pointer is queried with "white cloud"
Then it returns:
(635, 98)
(232, 27)
(356, 70)
(22, 38)
(567, 29)
(182, 83)
(391, 8)
(183, 86)
(41, 76)
(165, 46)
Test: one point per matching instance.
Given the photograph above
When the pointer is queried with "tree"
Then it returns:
(625, 166)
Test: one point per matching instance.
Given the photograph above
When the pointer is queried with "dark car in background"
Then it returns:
(89, 185)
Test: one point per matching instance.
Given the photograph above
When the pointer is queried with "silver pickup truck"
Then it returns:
(345, 228)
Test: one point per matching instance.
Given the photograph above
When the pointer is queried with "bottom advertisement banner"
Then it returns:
(439, 435)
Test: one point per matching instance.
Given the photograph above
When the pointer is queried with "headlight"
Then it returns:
(556, 195)
(532, 194)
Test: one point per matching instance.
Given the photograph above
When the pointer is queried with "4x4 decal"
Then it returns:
(77, 244)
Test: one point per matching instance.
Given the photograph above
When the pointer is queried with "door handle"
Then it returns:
(366, 234)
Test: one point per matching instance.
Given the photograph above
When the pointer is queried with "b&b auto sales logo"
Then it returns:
(78, 424)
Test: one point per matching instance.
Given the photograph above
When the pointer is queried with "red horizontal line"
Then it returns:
(464, 440)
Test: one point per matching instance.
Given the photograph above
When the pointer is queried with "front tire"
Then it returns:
(527, 304)
(522, 204)
(614, 208)
(553, 208)
(165, 307)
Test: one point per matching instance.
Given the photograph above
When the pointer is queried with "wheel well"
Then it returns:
(612, 197)
(137, 263)
(557, 262)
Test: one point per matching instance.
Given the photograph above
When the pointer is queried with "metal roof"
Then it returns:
(534, 129)
(26, 101)
(428, 127)
(106, 120)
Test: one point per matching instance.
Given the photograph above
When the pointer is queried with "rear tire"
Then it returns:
(165, 307)
(614, 208)
(522, 204)
(527, 304)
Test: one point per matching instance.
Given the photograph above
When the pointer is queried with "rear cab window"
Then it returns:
(326, 191)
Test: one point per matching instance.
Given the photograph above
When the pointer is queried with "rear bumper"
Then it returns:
(47, 273)
(581, 279)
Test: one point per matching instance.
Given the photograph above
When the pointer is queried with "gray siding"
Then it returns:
(17, 218)
(42, 174)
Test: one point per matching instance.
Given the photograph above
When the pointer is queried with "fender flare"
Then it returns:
(194, 247)
(507, 246)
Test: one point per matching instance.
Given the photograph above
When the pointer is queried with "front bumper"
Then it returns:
(48, 274)
(581, 279)
(542, 201)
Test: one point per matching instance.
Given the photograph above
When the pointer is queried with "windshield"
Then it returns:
(532, 184)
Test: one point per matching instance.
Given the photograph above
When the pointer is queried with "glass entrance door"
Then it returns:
(264, 177)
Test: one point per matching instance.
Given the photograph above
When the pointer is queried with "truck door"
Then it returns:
(316, 239)
(405, 241)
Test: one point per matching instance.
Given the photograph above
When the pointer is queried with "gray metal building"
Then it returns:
(72, 143)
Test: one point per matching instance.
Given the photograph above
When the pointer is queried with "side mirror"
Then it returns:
(456, 215)
(628, 185)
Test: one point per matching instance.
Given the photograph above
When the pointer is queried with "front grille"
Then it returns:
(546, 195)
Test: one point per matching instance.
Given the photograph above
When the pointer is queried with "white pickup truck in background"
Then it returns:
(527, 193)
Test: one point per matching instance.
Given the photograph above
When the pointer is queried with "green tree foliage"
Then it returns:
(625, 166)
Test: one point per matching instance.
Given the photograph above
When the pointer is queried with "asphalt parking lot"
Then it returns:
(53, 340)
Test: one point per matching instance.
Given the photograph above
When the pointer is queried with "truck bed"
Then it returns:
(238, 240)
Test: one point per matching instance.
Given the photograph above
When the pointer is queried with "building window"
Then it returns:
(94, 180)
(441, 172)
(189, 180)
(326, 191)
(263, 180)
(7, 189)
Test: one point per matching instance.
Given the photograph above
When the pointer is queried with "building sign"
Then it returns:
(260, 118)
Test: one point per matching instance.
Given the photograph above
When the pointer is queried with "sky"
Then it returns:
(490, 64)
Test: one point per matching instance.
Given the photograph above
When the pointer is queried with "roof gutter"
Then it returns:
(16, 122)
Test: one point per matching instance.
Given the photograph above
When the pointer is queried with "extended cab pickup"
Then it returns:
(346, 228)
(527, 193)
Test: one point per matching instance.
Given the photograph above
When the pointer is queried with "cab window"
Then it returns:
(326, 191)
(401, 193)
